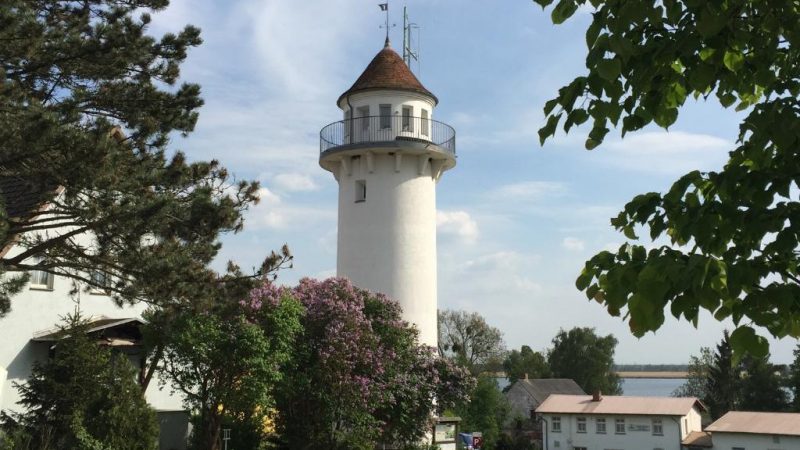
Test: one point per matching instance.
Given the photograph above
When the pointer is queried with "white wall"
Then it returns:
(727, 441)
(35, 310)
(388, 242)
(633, 439)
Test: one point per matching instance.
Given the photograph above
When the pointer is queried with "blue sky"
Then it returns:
(516, 220)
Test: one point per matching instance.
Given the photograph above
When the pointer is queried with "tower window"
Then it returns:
(408, 125)
(386, 116)
(361, 191)
(363, 114)
(425, 122)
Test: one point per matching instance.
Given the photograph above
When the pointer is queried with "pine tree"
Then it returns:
(793, 380)
(84, 397)
(88, 103)
(723, 381)
(761, 386)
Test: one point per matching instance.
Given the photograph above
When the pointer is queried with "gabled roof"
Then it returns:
(387, 70)
(698, 439)
(111, 332)
(611, 404)
(541, 388)
(787, 424)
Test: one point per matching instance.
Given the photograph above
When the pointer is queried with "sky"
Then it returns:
(516, 221)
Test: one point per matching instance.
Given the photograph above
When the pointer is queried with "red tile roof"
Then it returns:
(387, 70)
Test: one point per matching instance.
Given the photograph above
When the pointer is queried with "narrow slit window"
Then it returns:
(425, 123)
(386, 116)
(408, 124)
(361, 191)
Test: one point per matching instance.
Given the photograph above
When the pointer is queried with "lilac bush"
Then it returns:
(358, 375)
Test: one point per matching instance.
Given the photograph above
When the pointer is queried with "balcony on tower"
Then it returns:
(389, 130)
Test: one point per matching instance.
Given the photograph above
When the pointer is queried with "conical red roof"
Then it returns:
(387, 70)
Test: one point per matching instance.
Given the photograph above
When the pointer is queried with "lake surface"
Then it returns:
(639, 387)
(650, 387)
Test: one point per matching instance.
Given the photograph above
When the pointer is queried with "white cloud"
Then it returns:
(457, 223)
(295, 182)
(662, 152)
(529, 190)
(573, 244)
(271, 212)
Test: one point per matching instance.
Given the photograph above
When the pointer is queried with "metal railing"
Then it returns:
(372, 129)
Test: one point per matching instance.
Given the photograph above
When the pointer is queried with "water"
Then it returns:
(639, 387)
(650, 387)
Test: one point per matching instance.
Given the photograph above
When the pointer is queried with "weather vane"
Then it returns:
(385, 7)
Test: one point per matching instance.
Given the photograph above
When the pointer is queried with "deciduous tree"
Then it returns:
(525, 363)
(227, 360)
(733, 233)
(587, 358)
(696, 384)
(468, 340)
(88, 103)
(793, 380)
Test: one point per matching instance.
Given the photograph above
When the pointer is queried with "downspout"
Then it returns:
(680, 435)
(352, 116)
(545, 440)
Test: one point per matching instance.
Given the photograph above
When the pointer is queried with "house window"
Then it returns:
(100, 282)
(776, 439)
(658, 427)
(408, 124)
(581, 424)
(39, 278)
(363, 114)
(361, 191)
(737, 448)
(601, 426)
(579, 448)
(556, 425)
(386, 116)
(556, 444)
(619, 426)
(425, 123)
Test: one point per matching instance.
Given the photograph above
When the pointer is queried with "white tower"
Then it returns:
(387, 155)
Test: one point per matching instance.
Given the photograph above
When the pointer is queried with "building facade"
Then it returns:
(581, 422)
(742, 430)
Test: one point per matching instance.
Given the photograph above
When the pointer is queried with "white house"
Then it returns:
(26, 331)
(742, 430)
(586, 422)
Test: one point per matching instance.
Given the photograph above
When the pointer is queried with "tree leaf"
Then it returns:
(609, 69)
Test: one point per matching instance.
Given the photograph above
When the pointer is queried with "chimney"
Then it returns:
(597, 396)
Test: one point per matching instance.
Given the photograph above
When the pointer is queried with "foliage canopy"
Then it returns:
(88, 102)
(735, 232)
(587, 358)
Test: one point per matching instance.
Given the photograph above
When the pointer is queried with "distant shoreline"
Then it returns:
(652, 374)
